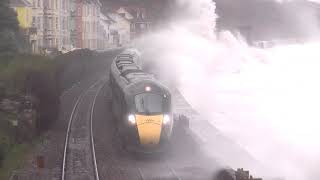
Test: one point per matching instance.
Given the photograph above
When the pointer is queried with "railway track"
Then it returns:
(79, 158)
(163, 172)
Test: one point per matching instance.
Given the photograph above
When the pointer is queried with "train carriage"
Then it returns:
(141, 105)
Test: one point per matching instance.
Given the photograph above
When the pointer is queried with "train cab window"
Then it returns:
(125, 56)
(149, 103)
(124, 59)
(124, 62)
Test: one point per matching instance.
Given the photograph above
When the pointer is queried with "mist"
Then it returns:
(264, 99)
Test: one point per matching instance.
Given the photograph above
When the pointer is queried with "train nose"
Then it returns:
(149, 129)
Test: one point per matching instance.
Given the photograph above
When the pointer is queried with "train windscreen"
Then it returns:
(149, 103)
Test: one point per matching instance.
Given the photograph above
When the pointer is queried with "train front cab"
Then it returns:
(147, 119)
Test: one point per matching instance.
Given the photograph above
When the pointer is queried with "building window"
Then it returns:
(142, 26)
(92, 27)
(41, 22)
(63, 24)
(38, 22)
(34, 23)
(50, 22)
(39, 3)
(57, 23)
(50, 43)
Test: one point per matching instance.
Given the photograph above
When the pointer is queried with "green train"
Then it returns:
(141, 105)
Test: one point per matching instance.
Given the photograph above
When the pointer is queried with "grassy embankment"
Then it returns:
(45, 79)
(19, 76)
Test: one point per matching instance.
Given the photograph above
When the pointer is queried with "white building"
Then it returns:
(120, 29)
(38, 24)
(130, 23)
(64, 21)
(91, 17)
(52, 38)
(104, 32)
(85, 17)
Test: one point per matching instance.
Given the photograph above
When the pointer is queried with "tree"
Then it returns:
(9, 30)
(8, 18)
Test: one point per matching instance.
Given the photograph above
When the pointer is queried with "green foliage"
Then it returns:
(14, 159)
(8, 18)
(11, 39)
(36, 76)
(20, 73)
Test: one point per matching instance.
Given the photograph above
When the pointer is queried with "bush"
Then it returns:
(35, 76)
(12, 39)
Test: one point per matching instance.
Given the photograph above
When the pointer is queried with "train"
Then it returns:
(141, 105)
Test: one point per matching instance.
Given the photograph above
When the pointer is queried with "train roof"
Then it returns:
(128, 68)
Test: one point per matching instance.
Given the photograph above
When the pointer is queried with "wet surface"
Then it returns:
(184, 160)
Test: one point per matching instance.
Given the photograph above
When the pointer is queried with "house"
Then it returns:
(24, 11)
(37, 26)
(85, 17)
(51, 35)
(63, 25)
(130, 23)
(64, 22)
(104, 32)
(90, 19)
(50, 19)
(120, 29)
(139, 23)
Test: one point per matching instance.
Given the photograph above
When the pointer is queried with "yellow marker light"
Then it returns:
(132, 119)
(166, 119)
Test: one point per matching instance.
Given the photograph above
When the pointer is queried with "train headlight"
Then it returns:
(148, 88)
(132, 119)
(166, 119)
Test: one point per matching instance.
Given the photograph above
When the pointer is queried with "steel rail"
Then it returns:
(63, 174)
(96, 172)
